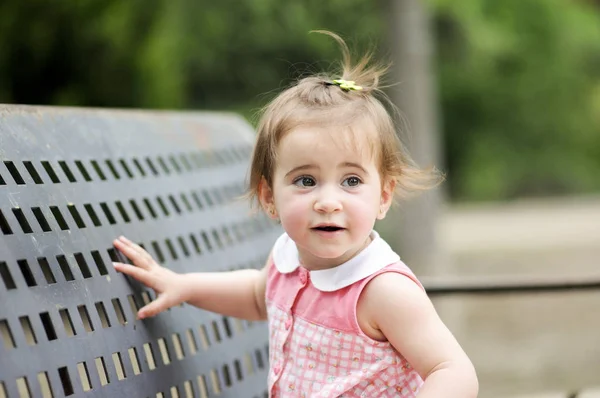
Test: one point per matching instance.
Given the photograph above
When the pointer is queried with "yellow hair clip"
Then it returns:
(347, 85)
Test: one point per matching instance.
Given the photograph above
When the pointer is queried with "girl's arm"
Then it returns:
(239, 294)
(401, 310)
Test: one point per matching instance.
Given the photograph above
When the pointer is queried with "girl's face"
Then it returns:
(327, 192)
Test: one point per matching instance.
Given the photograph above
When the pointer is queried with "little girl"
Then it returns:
(346, 317)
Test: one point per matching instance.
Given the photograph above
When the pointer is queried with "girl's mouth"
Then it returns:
(328, 228)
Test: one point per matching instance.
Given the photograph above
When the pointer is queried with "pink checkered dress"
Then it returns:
(316, 347)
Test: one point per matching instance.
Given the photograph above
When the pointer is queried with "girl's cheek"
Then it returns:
(293, 206)
(293, 218)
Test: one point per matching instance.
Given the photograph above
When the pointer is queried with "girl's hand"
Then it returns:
(165, 283)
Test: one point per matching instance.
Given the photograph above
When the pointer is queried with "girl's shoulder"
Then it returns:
(378, 293)
(398, 267)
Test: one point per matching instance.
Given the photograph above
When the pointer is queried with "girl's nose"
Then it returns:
(327, 202)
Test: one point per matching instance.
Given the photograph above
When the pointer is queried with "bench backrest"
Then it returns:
(71, 181)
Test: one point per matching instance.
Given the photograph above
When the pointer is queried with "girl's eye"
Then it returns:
(352, 182)
(305, 182)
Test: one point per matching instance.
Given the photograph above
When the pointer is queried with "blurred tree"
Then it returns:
(413, 229)
(520, 96)
(166, 54)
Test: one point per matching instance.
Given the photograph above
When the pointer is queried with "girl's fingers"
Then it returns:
(139, 256)
(140, 250)
(131, 254)
(131, 244)
(154, 308)
(137, 273)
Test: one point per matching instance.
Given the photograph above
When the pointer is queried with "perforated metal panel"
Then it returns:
(71, 181)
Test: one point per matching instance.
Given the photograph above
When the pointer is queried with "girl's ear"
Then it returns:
(387, 198)
(266, 198)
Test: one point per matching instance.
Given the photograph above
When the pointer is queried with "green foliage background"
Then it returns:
(519, 80)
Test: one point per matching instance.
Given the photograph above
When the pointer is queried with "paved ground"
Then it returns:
(532, 343)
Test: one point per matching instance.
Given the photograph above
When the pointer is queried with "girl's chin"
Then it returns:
(326, 258)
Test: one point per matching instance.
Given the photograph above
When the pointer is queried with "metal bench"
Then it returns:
(72, 180)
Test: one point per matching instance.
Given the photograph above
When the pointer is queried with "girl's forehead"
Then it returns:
(357, 140)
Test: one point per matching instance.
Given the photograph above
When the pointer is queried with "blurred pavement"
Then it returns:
(526, 343)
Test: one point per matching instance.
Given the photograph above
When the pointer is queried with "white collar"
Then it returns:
(377, 255)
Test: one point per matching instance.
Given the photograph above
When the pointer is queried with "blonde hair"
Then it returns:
(314, 101)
